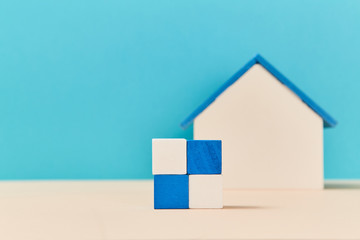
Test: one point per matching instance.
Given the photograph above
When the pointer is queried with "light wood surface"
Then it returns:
(70, 210)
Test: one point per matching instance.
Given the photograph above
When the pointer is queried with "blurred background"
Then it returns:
(85, 85)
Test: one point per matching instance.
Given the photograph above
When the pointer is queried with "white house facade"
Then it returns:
(272, 133)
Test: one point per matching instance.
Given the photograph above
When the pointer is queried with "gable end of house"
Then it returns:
(327, 119)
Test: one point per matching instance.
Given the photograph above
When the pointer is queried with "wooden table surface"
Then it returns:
(96, 210)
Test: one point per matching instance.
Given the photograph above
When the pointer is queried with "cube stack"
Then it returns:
(187, 174)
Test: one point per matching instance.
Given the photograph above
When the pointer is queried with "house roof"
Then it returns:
(328, 120)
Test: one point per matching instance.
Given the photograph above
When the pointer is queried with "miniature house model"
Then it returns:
(272, 133)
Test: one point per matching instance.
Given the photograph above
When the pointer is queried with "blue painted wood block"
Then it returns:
(204, 157)
(171, 191)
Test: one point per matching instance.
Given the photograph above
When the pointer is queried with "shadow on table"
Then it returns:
(232, 207)
(342, 185)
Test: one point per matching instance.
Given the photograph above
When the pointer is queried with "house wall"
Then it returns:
(271, 139)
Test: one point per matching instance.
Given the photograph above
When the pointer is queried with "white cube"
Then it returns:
(205, 191)
(169, 156)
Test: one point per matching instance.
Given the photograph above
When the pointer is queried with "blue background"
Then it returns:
(85, 85)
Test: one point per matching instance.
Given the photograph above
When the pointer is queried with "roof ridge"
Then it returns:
(328, 120)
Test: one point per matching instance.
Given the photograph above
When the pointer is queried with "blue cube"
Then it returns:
(204, 157)
(171, 191)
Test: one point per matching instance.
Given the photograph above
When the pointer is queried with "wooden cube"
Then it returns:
(171, 191)
(169, 156)
(205, 191)
(204, 157)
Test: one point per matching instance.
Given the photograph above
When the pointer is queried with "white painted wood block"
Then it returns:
(205, 191)
(169, 156)
(270, 138)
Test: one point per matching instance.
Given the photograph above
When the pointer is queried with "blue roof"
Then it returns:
(328, 120)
